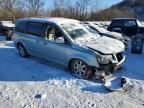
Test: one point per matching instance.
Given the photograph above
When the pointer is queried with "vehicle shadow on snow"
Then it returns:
(14, 68)
(2, 38)
(96, 89)
(132, 68)
(10, 44)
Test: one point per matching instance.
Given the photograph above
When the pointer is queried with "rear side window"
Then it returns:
(36, 29)
(21, 26)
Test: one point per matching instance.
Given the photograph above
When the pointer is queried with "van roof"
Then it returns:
(50, 19)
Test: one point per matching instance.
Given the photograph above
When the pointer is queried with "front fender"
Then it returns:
(89, 59)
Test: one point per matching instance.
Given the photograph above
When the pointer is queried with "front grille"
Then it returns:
(119, 56)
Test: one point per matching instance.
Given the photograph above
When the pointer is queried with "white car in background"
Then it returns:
(6, 28)
(102, 31)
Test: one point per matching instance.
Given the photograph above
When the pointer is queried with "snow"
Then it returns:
(2, 37)
(22, 79)
(8, 24)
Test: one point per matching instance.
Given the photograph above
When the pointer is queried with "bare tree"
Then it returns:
(78, 9)
(82, 8)
(34, 7)
(65, 8)
(59, 6)
(109, 14)
(8, 6)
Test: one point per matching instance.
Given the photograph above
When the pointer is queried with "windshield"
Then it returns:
(78, 32)
(90, 29)
(100, 29)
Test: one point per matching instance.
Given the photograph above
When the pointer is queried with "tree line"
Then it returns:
(78, 9)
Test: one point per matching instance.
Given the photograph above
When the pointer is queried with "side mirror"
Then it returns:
(60, 40)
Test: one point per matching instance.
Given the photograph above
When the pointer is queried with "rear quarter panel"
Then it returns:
(20, 38)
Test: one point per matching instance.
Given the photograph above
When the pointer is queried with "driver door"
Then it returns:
(54, 51)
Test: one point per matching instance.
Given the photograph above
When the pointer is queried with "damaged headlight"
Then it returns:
(103, 59)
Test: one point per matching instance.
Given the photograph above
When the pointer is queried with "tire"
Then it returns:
(22, 51)
(80, 69)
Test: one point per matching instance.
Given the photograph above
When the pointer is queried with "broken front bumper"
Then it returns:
(112, 66)
(119, 64)
(107, 69)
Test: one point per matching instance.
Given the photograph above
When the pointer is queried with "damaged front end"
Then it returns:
(108, 64)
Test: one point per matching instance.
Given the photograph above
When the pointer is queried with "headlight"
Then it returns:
(104, 59)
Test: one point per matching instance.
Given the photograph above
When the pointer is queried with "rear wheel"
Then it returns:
(22, 51)
(80, 69)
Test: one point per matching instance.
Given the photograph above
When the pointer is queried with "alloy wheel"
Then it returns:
(80, 69)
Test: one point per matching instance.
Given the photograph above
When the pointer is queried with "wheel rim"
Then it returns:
(79, 68)
(21, 51)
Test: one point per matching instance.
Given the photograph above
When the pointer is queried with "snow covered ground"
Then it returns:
(22, 80)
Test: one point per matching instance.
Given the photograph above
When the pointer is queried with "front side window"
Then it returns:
(53, 33)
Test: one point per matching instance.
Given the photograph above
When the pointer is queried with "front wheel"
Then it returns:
(80, 69)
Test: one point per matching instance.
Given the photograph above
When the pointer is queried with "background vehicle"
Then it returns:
(102, 31)
(6, 28)
(128, 26)
(69, 44)
(137, 44)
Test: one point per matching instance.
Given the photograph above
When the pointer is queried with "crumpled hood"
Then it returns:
(106, 45)
(115, 35)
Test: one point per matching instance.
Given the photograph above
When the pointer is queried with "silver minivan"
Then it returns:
(67, 43)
